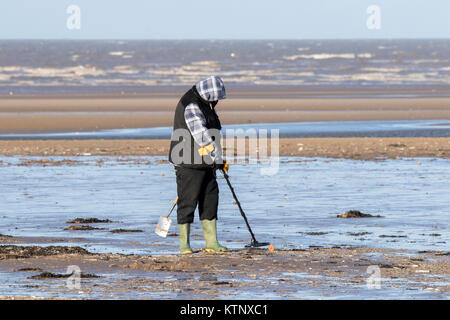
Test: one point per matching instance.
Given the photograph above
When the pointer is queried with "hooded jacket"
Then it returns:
(195, 114)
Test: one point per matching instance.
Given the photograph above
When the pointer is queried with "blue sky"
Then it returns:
(228, 19)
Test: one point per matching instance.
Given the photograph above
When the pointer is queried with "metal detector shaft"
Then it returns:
(239, 206)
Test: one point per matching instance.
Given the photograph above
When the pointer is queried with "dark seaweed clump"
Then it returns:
(82, 228)
(30, 269)
(89, 220)
(124, 230)
(17, 252)
(50, 275)
(356, 214)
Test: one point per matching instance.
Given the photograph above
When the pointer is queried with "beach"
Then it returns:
(244, 274)
(340, 265)
(347, 148)
(80, 113)
(84, 140)
(396, 253)
(62, 114)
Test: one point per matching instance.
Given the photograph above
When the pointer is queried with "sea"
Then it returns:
(140, 66)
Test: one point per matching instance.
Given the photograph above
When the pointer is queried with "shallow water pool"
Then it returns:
(296, 208)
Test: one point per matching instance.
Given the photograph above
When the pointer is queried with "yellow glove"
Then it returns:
(226, 166)
(204, 151)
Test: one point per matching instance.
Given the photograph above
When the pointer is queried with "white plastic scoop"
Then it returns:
(163, 226)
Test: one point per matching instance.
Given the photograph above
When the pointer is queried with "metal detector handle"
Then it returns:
(173, 207)
(239, 205)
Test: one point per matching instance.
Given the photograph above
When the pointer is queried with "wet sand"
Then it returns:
(84, 113)
(29, 114)
(36, 268)
(337, 272)
(348, 148)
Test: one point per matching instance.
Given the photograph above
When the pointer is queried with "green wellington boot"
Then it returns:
(185, 230)
(210, 234)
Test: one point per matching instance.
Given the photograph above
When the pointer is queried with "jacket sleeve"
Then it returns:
(196, 123)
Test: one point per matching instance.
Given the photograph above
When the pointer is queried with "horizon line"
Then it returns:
(217, 39)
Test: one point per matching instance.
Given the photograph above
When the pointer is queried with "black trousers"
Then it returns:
(196, 187)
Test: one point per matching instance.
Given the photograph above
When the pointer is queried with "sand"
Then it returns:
(348, 148)
(28, 114)
(246, 274)
(81, 113)
(293, 274)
